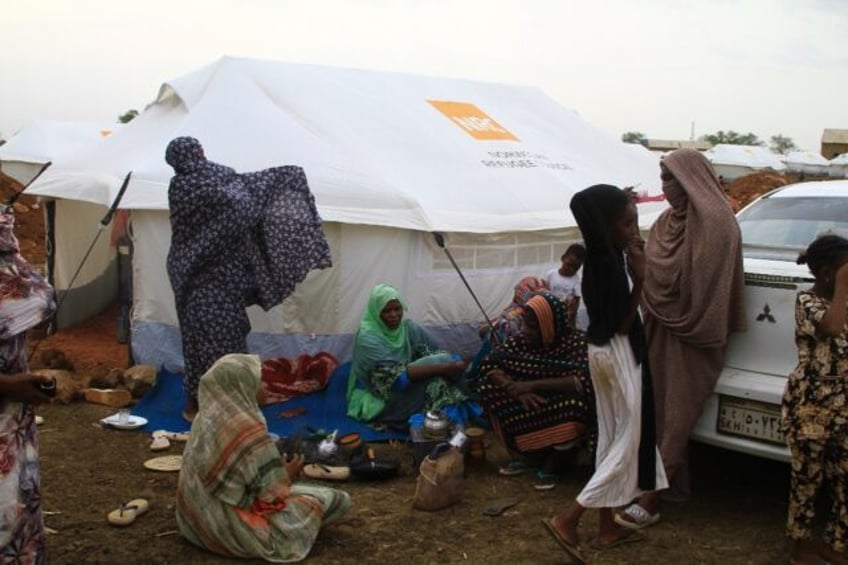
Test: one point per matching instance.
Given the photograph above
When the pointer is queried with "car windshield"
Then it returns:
(779, 228)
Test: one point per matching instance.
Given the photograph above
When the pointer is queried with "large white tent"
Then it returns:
(390, 158)
(22, 157)
(734, 161)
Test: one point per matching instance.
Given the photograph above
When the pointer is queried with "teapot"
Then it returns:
(436, 424)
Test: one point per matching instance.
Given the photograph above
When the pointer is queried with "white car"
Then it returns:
(743, 414)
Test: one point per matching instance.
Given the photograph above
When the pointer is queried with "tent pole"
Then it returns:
(440, 241)
(104, 222)
(14, 197)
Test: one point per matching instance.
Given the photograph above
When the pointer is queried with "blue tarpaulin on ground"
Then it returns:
(325, 410)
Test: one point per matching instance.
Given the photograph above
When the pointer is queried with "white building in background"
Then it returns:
(838, 166)
(733, 161)
(807, 162)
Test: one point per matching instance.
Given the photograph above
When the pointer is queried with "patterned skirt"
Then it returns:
(564, 418)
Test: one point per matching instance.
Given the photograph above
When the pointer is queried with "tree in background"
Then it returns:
(128, 116)
(634, 137)
(782, 144)
(732, 138)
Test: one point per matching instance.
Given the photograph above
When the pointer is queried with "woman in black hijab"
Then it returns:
(626, 461)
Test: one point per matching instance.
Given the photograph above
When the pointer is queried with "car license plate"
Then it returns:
(749, 418)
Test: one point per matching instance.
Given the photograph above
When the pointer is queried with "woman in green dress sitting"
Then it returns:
(397, 368)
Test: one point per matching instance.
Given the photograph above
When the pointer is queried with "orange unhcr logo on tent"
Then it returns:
(472, 120)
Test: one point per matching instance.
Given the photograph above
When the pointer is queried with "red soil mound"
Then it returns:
(91, 347)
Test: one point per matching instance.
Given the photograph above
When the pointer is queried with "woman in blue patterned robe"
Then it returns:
(236, 240)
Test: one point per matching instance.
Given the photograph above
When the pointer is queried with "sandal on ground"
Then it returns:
(160, 443)
(546, 481)
(635, 517)
(499, 506)
(127, 513)
(325, 472)
(172, 436)
(628, 536)
(515, 467)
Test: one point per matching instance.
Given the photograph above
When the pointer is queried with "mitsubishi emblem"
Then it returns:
(766, 315)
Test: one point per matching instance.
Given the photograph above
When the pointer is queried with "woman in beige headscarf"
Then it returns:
(693, 299)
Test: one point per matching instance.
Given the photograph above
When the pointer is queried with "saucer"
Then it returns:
(132, 423)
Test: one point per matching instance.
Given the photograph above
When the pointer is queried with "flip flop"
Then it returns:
(127, 513)
(498, 507)
(634, 517)
(160, 443)
(572, 549)
(546, 481)
(172, 436)
(631, 536)
(515, 467)
(325, 472)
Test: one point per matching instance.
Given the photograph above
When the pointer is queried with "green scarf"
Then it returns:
(374, 341)
(371, 321)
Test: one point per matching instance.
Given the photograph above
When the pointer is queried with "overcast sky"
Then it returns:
(654, 66)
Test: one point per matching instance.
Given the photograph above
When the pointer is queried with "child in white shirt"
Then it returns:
(564, 283)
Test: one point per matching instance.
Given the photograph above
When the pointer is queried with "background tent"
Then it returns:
(390, 158)
(734, 161)
(838, 167)
(806, 162)
(38, 142)
(21, 158)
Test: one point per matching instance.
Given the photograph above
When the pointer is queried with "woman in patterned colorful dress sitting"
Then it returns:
(536, 390)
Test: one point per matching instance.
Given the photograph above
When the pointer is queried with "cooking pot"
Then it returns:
(366, 466)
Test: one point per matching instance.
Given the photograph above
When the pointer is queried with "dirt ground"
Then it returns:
(736, 515)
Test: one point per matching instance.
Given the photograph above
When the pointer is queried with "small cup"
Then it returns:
(124, 416)
(48, 387)
(476, 453)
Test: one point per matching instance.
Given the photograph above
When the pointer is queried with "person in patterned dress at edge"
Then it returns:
(815, 405)
(25, 301)
(536, 390)
(236, 240)
(690, 312)
(235, 492)
(627, 461)
(397, 369)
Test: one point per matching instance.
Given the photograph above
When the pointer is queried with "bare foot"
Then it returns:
(565, 529)
(564, 532)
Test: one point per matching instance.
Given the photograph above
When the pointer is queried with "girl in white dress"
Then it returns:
(627, 462)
